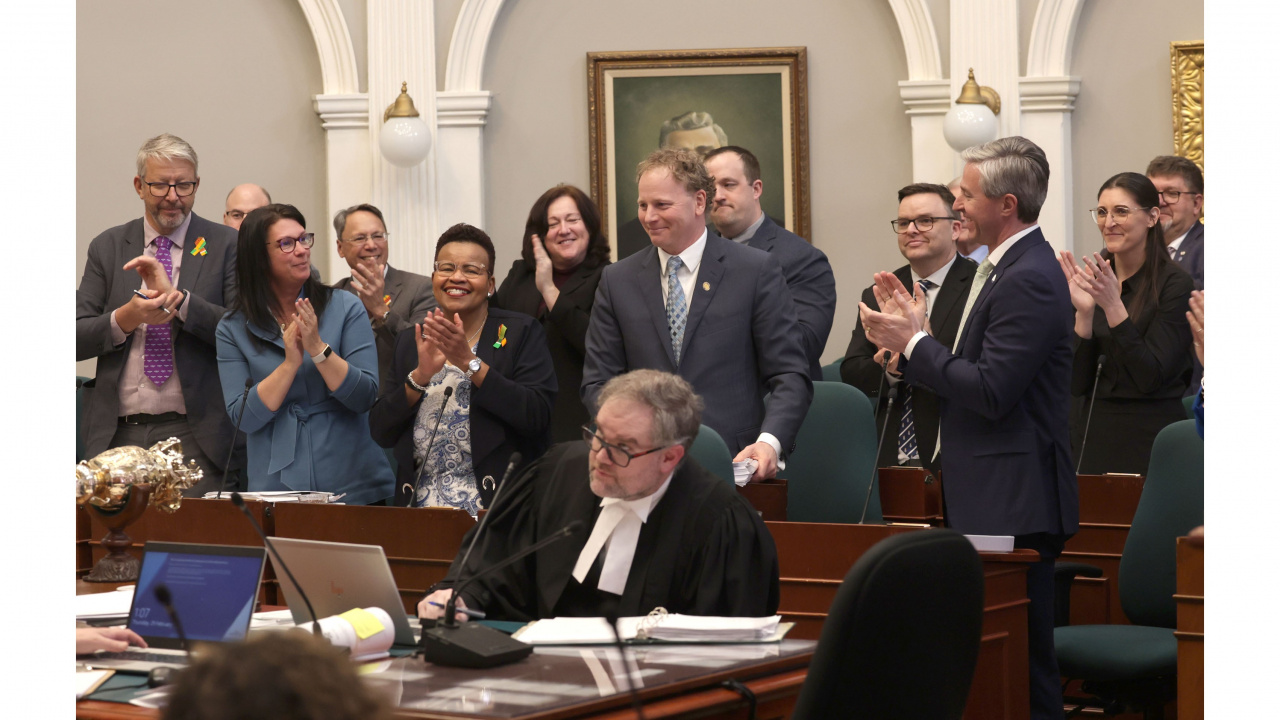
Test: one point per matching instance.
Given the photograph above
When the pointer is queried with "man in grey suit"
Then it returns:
(394, 299)
(150, 299)
(710, 310)
(737, 215)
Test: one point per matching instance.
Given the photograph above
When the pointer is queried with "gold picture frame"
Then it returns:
(1187, 65)
(758, 98)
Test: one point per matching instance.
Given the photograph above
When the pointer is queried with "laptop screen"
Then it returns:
(214, 588)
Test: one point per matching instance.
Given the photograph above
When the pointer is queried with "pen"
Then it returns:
(143, 295)
(473, 614)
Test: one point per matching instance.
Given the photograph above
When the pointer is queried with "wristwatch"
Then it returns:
(381, 319)
(473, 367)
(322, 355)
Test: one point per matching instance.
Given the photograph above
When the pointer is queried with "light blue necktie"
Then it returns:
(677, 308)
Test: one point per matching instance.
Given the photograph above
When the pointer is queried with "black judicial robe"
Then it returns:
(703, 551)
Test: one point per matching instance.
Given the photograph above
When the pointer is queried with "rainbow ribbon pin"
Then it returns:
(386, 299)
(199, 248)
(502, 337)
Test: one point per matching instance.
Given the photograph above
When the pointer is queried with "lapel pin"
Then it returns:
(706, 286)
(386, 299)
(199, 248)
(502, 337)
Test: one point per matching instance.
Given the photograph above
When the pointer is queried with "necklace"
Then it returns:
(471, 342)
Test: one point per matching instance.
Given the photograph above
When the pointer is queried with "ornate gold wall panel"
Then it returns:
(1187, 62)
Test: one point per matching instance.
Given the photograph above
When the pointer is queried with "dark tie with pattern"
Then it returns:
(157, 362)
(907, 426)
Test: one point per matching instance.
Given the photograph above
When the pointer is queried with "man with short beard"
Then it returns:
(150, 299)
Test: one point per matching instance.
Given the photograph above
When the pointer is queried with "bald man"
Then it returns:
(242, 200)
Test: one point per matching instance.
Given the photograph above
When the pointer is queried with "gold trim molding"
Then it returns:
(1187, 64)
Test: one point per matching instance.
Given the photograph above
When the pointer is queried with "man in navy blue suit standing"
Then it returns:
(1003, 388)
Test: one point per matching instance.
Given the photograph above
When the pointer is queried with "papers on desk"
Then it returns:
(105, 605)
(743, 470)
(88, 680)
(991, 543)
(278, 496)
(667, 628)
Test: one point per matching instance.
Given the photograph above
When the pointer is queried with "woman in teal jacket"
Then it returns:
(307, 358)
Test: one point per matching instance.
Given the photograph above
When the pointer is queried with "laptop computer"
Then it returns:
(339, 577)
(214, 589)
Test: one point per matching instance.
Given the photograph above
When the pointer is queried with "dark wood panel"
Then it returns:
(1107, 506)
(1190, 632)
(911, 495)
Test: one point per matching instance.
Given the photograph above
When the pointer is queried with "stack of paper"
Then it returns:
(671, 628)
(275, 496)
(743, 470)
(105, 605)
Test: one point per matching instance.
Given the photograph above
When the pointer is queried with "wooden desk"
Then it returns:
(680, 681)
(1107, 505)
(809, 582)
(420, 544)
(1190, 632)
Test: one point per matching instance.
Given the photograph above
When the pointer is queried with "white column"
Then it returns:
(984, 36)
(350, 174)
(927, 101)
(402, 49)
(460, 157)
(1047, 103)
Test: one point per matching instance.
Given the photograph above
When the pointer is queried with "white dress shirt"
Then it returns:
(616, 532)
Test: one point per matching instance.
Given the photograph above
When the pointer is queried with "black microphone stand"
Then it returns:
(275, 558)
(875, 470)
(244, 402)
(1093, 395)
(426, 456)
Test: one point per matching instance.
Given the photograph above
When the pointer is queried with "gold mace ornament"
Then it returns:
(403, 105)
(974, 94)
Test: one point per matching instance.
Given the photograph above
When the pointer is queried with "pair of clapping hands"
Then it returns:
(440, 339)
(902, 314)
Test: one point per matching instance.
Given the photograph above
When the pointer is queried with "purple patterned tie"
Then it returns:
(157, 362)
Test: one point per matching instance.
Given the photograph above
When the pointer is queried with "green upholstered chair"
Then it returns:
(902, 636)
(1135, 666)
(831, 372)
(828, 474)
(82, 387)
(711, 453)
(1187, 403)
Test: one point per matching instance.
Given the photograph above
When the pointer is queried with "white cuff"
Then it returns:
(911, 344)
(777, 447)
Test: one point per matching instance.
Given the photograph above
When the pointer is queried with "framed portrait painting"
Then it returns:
(755, 98)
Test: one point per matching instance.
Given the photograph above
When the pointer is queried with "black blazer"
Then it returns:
(511, 411)
(565, 326)
(860, 370)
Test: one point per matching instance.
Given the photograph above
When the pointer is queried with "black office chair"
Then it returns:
(901, 639)
(1135, 666)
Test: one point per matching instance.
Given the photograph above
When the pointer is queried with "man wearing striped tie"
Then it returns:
(1004, 383)
(150, 299)
(926, 228)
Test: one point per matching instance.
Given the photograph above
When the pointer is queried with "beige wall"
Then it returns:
(1124, 114)
(235, 80)
(860, 137)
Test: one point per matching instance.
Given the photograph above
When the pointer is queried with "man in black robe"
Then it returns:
(663, 532)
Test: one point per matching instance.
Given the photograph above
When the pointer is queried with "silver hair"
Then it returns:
(166, 147)
(677, 409)
(1012, 166)
(340, 220)
(692, 120)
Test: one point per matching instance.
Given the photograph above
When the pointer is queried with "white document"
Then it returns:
(743, 470)
(670, 628)
(105, 604)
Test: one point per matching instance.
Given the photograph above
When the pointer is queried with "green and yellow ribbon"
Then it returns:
(502, 337)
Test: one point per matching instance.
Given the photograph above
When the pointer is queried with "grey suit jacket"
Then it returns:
(105, 286)
(812, 286)
(739, 340)
(411, 298)
(1190, 254)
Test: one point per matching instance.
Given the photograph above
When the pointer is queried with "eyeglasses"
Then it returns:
(923, 224)
(617, 455)
(470, 270)
(162, 189)
(1172, 196)
(1119, 213)
(288, 244)
(235, 214)
(378, 238)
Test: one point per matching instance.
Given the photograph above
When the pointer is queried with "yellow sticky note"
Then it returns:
(366, 623)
